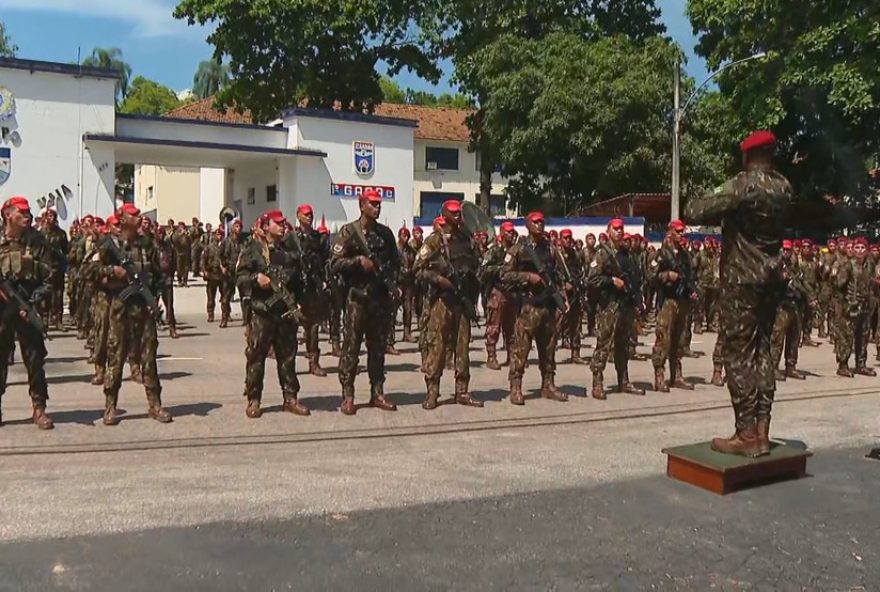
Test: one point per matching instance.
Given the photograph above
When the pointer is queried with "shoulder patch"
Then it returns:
(594, 263)
(337, 248)
(655, 263)
(507, 258)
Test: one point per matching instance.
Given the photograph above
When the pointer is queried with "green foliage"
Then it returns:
(111, 59)
(146, 97)
(392, 92)
(283, 51)
(210, 78)
(7, 48)
(818, 89)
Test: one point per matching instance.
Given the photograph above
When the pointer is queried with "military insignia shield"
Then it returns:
(5, 164)
(364, 158)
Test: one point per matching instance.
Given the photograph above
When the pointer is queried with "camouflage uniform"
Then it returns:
(181, 242)
(315, 296)
(167, 265)
(212, 268)
(449, 255)
(570, 323)
(857, 280)
(230, 250)
(195, 249)
(807, 271)
(674, 301)
(823, 276)
(368, 305)
(56, 243)
(786, 336)
(407, 287)
(592, 296)
(708, 276)
(500, 305)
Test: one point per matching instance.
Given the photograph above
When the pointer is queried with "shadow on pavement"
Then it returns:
(189, 409)
(173, 375)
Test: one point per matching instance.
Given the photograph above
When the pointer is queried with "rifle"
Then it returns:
(282, 301)
(459, 285)
(137, 285)
(551, 290)
(386, 281)
(13, 295)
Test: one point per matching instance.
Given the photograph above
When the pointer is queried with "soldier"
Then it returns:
(56, 241)
(786, 336)
(531, 268)
(214, 270)
(589, 253)
(314, 261)
(407, 280)
(500, 307)
(230, 251)
(365, 255)
(857, 279)
(180, 240)
(823, 273)
(101, 309)
(807, 269)
(195, 234)
(573, 272)
(448, 263)
(616, 310)
(673, 276)
(26, 263)
(273, 273)
(132, 322)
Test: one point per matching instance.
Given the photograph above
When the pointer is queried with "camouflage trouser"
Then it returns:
(447, 325)
(687, 334)
(33, 354)
(591, 309)
(786, 335)
(168, 302)
(56, 301)
(808, 320)
(706, 308)
(182, 269)
(671, 321)
(337, 304)
(823, 310)
(212, 286)
(265, 331)
(570, 323)
(614, 325)
(408, 305)
(836, 319)
(196, 258)
(72, 292)
(500, 320)
(538, 322)
(132, 329)
(367, 318)
(84, 305)
(101, 328)
(314, 306)
(747, 322)
(718, 351)
(853, 336)
(227, 292)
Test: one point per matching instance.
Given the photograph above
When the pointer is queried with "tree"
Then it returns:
(391, 91)
(282, 51)
(210, 78)
(818, 88)
(111, 59)
(7, 48)
(146, 97)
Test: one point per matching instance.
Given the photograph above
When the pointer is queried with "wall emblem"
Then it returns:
(5, 164)
(364, 158)
(7, 104)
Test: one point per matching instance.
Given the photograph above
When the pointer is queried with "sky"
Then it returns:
(168, 51)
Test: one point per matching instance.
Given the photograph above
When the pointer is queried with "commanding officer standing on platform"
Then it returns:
(530, 267)
(366, 257)
(448, 262)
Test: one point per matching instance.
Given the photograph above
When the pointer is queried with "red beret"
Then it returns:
(507, 226)
(18, 202)
(797, 243)
(590, 234)
(626, 236)
(535, 216)
(237, 222)
(676, 225)
(418, 229)
(684, 241)
(697, 243)
(440, 220)
(786, 244)
(404, 231)
(566, 232)
(861, 241)
(758, 139)
(113, 219)
(371, 195)
(304, 209)
(98, 220)
(616, 224)
(130, 209)
(452, 205)
(831, 241)
(807, 243)
(603, 235)
(276, 216)
(219, 231)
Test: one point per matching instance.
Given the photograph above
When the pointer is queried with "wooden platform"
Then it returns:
(699, 465)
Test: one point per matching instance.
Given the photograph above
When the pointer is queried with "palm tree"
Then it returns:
(210, 78)
(111, 59)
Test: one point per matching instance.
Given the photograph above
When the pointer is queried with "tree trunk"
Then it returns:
(487, 167)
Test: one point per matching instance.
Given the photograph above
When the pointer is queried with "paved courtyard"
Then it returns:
(547, 496)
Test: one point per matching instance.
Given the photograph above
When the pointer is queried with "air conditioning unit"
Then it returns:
(432, 166)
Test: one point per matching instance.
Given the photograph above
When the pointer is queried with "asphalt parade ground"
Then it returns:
(550, 496)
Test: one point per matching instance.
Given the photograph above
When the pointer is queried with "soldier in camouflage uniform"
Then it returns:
(857, 279)
(275, 308)
(448, 263)
(214, 270)
(672, 275)
(573, 272)
(229, 252)
(807, 269)
(180, 240)
(616, 311)
(195, 234)
(500, 306)
(56, 241)
(132, 322)
(786, 336)
(101, 310)
(366, 258)
(314, 304)
(589, 253)
(407, 280)
(823, 274)
(167, 265)
(707, 272)
(531, 267)
(26, 262)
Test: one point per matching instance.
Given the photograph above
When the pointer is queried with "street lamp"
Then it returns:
(676, 126)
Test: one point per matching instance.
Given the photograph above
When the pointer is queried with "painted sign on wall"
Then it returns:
(349, 191)
(364, 158)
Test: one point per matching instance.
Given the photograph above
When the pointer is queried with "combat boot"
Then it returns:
(348, 406)
(576, 357)
(224, 321)
(598, 391)
(315, 367)
(41, 420)
(253, 409)
(210, 317)
(625, 386)
(173, 331)
(678, 380)
(516, 394)
(822, 333)
(863, 370)
(111, 417)
(763, 432)
(492, 359)
(844, 371)
(391, 350)
(98, 378)
(156, 411)
(660, 384)
(698, 330)
(292, 405)
(433, 386)
(378, 399)
(744, 442)
(59, 325)
(549, 391)
(792, 372)
(717, 378)
(408, 336)
(780, 375)
(464, 397)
